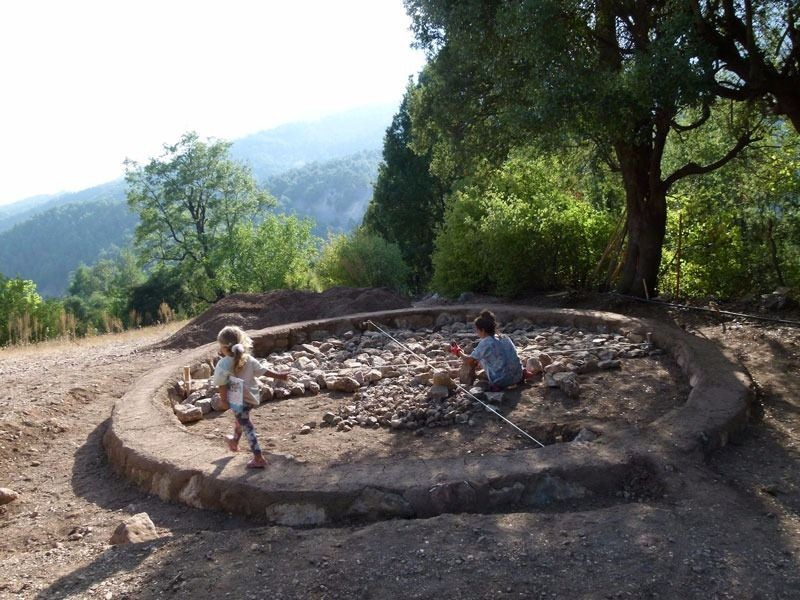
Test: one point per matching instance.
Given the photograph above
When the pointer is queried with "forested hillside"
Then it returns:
(333, 193)
(48, 246)
(20, 212)
(296, 144)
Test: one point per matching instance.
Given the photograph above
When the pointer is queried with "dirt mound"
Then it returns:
(257, 311)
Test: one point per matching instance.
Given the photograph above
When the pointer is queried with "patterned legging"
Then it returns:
(243, 423)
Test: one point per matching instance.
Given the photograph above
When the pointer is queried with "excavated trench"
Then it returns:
(374, 422)
(374, 395)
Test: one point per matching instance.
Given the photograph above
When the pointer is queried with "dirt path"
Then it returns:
(730, 529)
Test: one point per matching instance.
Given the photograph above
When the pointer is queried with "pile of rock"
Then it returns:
(411, 383)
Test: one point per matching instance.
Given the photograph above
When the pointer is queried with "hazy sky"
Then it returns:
(86, 84)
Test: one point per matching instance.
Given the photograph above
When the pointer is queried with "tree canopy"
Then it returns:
(408, 200)
(190, 201)
(757, 49)
(623, 75)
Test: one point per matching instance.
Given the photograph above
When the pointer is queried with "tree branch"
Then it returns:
(692, 168)
(702, 119)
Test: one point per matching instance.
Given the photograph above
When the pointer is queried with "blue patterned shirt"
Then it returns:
(499, 359)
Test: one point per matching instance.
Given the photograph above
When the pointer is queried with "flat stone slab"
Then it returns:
(147, 443)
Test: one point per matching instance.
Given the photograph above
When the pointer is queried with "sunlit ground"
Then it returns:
(153, 332)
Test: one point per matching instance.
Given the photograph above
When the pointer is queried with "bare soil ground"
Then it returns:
(727, 529)
(640, 392)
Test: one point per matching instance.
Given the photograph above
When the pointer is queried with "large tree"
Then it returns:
(408, 201)
(190, 201)
(624, 74)
(757, 48)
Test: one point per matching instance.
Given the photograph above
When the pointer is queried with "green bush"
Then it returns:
(362, 259)
(521, 230)
(740, 226)
(278, 253)
(24, 316)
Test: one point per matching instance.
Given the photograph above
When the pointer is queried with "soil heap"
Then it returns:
(257, 311)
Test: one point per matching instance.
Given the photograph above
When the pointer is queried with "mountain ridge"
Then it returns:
(332, 189)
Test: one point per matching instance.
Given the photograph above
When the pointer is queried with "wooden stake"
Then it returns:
(187, 380)
(646, 293)
(678, 258)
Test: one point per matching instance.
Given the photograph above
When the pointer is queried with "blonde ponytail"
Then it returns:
(239, 343)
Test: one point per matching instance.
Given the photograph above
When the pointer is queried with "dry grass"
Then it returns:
(143, 334)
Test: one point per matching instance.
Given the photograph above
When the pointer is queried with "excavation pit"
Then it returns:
(657, 409)
(394, 411)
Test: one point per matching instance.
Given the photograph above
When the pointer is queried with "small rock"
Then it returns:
(139, 528)
(466, 375)
(373, 376)
(266, 394)
(585, 435)
(443, 378)
(345, 384)
(495, 397)
(305, 429)
(568, 382)
(281, 393)
(204, 404)
(217, 404)
(7, 495)
(533, 365)
(438, 392)
(328, 418)
(478, 392)
(187, 413)
(194, 397)
(609, 364)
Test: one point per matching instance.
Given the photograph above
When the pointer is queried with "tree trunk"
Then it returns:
(646, 223)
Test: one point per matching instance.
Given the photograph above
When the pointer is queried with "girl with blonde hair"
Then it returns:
(235, 374)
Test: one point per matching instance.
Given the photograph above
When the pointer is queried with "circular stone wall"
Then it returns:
(443, 470)
(397, 393)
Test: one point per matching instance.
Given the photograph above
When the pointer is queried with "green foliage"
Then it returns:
(163, 286)
(741, 224)
(756, 45)
(278, 253)
(408, 202)
(190, 202)
(99, 294)
(520, 230)
(362, 259)
(24, 316)
(552, 72)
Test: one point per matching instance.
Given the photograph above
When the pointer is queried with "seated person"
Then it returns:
(495, 353)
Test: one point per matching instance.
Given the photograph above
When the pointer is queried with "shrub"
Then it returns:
(362, 259)
(521, 230)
